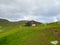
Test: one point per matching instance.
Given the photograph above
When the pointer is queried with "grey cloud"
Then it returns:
(41, 10)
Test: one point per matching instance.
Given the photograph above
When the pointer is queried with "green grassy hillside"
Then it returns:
(16, 34)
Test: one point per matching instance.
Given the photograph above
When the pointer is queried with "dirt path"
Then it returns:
(57, 35)
(56, 32)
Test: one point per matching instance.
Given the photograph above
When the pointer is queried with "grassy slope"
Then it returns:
(20, 35)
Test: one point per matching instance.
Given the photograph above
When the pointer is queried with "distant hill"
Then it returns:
(3, 20)
(22, 22)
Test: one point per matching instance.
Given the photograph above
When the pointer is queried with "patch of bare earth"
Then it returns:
(56, 32)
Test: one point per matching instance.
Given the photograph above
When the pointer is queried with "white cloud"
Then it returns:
(40, 10)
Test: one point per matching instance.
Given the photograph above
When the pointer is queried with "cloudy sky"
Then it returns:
(39, 10)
